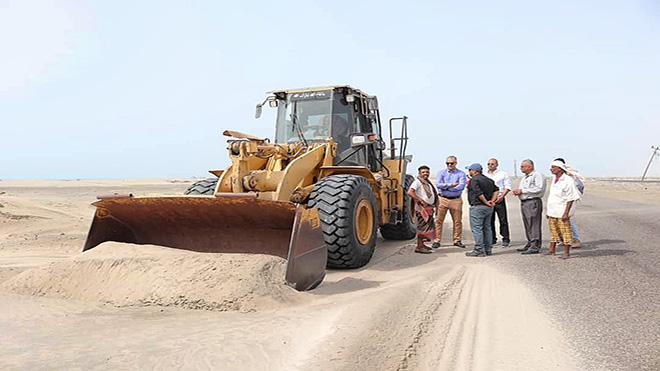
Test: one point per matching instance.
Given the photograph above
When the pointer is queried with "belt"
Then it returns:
(531, 199)
(451, 198)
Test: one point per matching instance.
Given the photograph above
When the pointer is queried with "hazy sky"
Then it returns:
(125, 89)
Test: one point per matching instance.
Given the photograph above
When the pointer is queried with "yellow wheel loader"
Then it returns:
(316, 195)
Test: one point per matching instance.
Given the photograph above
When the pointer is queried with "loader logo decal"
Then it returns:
(311, 95)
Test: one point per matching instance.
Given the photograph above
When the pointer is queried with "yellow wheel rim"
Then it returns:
(364, 221)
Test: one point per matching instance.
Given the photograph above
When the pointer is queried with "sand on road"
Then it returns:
(402, 311)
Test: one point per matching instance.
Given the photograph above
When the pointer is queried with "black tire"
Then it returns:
(337, 198)
(202, 187)
(407, 229)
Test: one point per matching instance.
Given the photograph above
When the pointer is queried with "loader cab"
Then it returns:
(313, 115)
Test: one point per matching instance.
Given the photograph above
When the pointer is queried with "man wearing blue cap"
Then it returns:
(482, 193)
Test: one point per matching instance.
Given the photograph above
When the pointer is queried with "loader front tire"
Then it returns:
(406, 229)
(202, 187)
(347, 210)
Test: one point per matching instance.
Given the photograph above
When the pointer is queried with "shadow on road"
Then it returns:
(590, 245)
(599, 253)
(396, 255)
(588, 249)
(595, 249)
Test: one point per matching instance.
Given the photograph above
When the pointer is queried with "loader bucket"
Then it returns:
(218, 225)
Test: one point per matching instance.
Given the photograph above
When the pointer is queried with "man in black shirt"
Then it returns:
(482, 193)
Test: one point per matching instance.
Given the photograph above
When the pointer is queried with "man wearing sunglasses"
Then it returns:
(450, 183)
(503, 182)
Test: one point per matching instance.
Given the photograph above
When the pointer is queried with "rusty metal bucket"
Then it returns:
(218, 225)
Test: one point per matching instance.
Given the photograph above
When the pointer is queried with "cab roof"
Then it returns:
(320, 88)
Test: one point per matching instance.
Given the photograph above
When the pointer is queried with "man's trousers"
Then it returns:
(532, 215)
(480, 225)
(500, 211)
(455, 208)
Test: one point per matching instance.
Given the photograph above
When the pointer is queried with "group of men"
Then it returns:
(486, 192)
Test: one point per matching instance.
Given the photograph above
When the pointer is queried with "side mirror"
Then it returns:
(272, 101)
(361, 139)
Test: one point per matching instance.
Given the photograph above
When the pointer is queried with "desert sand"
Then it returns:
(126, 275)
(127, 306)
(629, 190)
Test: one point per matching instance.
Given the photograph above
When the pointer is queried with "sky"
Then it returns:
(126, 89)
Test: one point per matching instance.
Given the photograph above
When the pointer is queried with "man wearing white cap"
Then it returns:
(579, 183)
(563, 193)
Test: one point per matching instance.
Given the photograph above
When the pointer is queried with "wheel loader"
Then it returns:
(315, 195)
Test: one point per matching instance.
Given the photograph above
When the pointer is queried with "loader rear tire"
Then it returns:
(347, 209)
(202, 187)
(407, 229)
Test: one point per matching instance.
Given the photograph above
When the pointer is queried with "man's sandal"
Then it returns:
(425, 250)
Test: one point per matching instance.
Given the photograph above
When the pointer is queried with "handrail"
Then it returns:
(403, 139)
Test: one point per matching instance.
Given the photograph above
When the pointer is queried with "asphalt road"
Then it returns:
(605, 300)
(607, 297)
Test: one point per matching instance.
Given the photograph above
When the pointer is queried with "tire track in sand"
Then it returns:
(491, 321)
(436, 297)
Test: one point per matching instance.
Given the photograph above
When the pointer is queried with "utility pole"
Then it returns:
(515, 168)
(655, 153)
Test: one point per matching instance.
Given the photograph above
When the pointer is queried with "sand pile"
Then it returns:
(141, 275)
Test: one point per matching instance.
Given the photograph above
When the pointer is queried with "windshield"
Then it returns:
(312, 116)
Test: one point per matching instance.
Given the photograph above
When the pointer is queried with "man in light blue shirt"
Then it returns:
(450, 183)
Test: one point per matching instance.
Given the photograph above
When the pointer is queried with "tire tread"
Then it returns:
(332, 197)
(202, 187)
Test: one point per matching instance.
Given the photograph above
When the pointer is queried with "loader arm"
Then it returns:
(273, 171)
(300, 172)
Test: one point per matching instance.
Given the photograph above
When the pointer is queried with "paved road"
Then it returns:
(607, 298)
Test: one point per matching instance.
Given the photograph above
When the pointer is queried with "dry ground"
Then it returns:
(402, 311)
